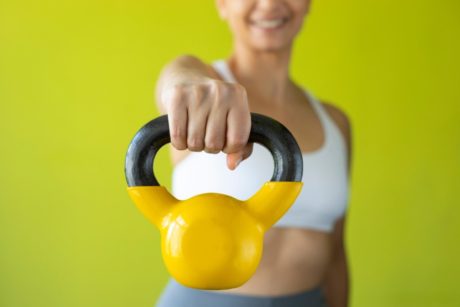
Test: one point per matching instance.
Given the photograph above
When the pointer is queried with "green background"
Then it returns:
(77, 80)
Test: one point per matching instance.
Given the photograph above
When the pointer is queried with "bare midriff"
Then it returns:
(294, 260)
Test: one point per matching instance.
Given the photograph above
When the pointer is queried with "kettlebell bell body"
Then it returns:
(214, 241)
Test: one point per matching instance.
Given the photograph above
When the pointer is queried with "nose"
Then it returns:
(269, 4)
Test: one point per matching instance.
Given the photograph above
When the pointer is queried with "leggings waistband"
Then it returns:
(177, 295)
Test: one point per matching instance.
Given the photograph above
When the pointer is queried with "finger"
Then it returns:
(234, 159)
(177, 122)
(215, 130)
(238, 128)
(196, 129)
(247, 151)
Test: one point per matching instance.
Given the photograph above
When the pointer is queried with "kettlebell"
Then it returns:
(214, 241)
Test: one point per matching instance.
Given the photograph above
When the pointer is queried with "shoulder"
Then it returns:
(339, 116)
(342, 121)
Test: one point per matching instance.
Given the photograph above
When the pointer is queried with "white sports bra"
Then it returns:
(323, 198)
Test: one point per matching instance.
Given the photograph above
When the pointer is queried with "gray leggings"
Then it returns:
(176, 295)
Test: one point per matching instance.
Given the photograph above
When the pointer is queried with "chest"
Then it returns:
(322, 199)
(301, 120)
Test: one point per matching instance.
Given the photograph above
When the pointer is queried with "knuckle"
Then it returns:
(215, 86)
(238, 89)
(213, 146)
(178, 144)
(175, 101)
(197, 97)
(219, 98)
(235, 143)
(239, 142)
(195, 144)
(178, 91)
(198, 89)
(172, 99)
(175, 104)
(233, 95)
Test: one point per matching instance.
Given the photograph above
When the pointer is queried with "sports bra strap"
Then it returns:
(224, 71)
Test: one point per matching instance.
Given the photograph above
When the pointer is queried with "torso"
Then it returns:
(294, 259)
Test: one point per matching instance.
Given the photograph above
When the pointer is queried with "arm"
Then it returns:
(204, 112)
(337, 282)
(336, 285)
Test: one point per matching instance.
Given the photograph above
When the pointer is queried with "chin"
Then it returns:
(270, 46)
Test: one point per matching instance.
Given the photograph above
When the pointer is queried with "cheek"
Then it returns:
(300, 7)
(238, 12)
(239, 7)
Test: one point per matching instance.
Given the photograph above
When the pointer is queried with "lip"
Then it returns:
(255, 23)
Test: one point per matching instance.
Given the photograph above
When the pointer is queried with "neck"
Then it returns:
(265, 75)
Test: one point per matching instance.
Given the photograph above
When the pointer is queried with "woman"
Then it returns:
(304, 260)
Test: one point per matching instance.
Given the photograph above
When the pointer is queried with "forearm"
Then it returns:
(336, 286)
(180, 71)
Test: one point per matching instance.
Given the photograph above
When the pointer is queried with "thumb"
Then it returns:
(235, 158)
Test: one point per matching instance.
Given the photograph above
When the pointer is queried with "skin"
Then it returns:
(208, 114)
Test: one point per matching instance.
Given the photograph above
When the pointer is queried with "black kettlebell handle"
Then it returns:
(264, 130)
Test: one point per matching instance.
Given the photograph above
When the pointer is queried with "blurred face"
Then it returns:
(267, 25)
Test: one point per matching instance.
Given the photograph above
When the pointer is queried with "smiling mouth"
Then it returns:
(270, 24)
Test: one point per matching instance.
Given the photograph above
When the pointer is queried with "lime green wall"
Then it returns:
(76, 82)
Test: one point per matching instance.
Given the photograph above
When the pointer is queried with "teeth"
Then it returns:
(269, 24)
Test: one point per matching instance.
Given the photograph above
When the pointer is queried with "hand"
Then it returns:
(211, 115)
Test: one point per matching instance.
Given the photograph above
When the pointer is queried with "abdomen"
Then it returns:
(294, 260)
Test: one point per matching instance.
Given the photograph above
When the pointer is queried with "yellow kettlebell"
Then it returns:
(214, 241)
